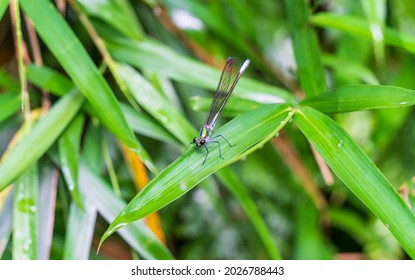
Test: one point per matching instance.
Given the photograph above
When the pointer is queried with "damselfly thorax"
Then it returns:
(204, 134)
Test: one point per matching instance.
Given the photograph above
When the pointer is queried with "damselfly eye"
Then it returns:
(202, 142)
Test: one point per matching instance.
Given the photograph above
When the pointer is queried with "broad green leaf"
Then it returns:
(69, 51)
(238, 190)
(9, 104)
(245, 132)
(359, 174)
(68, 145)
(43, 134)
(361, 97)
(163, 60)
(306, 50)
(26, 215)
(137, 234)
(358, 27)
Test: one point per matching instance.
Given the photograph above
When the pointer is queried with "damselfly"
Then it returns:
(231, 73)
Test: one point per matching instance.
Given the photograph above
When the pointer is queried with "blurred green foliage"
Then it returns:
(147, 70)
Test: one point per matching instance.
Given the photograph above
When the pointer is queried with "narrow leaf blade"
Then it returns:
(182, 175)
(361, 97)
(359, 173)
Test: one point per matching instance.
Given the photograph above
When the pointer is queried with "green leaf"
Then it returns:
(6, 220)
(92, 154)
(143, 124)
(69, 51)
(80, 231)
(306, 50)
(9, 104)
(162, 60)
(351, 223)
(375, 11)
(247, 132)
(235, 105)
(48, 79)
(117, 13)
(137, 234)
(358, 27)
(3, 7)
(361, 97)
(239, 191)
(139, 122)
(350, 69)
(7, 81)
(309, 241)
(41, 137)
(155, 104)
(68, 145)
(48, 185)
(359, 174)
(25, 215)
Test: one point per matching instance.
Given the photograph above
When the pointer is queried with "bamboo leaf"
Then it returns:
(9, 104)
(147, 126)
(80, 231)
(235, 105)
(350, 69)
(48, 79)
(238, 190)
(48, 185)
(375, 11)
(245, 131)
(152, 101)
(121, 16)
(154, 56)
(92, 155)
(3, 6)
(358, 27)
(359, 174)
(306, 50)
(137, 234)
(8, 82)
(68, 50)
(139, 122)
(25, 215)
(68, 145)
(44, 134)
(361, 97)
(6, 220)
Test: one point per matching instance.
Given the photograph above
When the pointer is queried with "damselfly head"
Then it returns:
(199, 141)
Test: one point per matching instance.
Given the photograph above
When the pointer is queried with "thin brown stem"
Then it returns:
(22, 58)
(37, 56)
